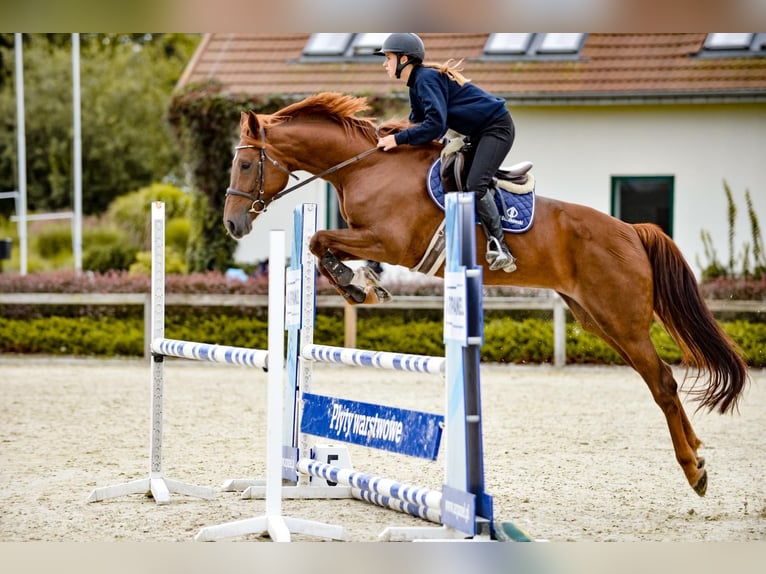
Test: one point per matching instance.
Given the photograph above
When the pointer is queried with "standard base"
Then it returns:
(423, 533)
(279, 528)
(158, 488)
(301, 492)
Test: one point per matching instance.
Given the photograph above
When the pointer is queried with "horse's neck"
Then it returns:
(317, 148)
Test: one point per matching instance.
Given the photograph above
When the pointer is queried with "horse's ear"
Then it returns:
(248, 122)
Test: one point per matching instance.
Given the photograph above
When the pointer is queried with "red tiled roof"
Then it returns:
(610, 65)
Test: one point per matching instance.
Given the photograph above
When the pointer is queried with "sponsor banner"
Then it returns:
(402, 431)
(455, 307)
(293, 298)
(459, 510)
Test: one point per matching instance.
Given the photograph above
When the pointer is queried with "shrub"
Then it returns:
(103, 257)
(174, 263)
(505, 341)
(755, 268)
(54, 239)
(107, 248)
(177, 232)
(132, 211)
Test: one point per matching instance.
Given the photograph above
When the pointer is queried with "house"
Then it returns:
(646, 127)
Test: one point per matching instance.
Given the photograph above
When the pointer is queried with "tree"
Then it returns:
(126, 85)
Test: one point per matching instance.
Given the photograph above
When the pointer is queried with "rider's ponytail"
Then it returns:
(451, 68)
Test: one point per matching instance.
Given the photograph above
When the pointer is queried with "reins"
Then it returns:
(259, 203)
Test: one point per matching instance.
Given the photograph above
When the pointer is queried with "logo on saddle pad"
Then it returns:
(516, 210)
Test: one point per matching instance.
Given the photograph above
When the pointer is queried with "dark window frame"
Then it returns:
(617, 200)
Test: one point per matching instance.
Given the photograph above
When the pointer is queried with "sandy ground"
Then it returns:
(573, 454)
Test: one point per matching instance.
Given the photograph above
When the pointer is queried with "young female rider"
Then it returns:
(441, 99)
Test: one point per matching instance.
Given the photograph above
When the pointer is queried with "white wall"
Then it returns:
(255, 247)
(577, 150)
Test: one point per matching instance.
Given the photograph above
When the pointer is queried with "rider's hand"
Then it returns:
(386, 143)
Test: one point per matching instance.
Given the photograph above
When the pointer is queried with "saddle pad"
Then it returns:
(516, 210)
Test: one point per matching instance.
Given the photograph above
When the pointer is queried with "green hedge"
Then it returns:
(506, 340)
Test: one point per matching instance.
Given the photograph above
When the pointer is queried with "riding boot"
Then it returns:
(498, 254)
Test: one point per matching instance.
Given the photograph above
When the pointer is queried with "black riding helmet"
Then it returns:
(407, 44)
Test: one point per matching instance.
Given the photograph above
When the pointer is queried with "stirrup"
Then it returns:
(499, 258)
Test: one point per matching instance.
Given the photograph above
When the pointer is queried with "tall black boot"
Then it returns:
(498, 254)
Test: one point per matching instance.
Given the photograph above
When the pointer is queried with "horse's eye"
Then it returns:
(246, 165)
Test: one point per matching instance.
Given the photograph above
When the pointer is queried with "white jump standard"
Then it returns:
(156, 485)
(279, 527)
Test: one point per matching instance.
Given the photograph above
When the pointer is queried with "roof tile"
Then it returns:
(609, 64)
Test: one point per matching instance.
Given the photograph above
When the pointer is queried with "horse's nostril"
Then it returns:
(230, 227)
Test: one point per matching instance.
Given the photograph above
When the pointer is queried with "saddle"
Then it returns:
(512, 188)
(455, 162)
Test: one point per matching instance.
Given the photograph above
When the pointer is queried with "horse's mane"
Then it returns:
(337, 107)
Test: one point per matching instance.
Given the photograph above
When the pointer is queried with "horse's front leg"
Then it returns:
(357, 287)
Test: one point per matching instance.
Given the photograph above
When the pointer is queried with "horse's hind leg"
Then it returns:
(638, 351)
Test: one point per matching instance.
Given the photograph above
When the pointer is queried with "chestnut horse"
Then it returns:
(614, 276)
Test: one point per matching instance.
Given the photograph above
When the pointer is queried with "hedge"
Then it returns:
(506, 339)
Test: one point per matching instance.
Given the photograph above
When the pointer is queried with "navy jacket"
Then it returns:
(439, 103)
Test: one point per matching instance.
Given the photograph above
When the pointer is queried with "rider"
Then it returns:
(441, 99)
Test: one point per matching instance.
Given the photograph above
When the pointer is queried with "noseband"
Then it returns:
(260, 203)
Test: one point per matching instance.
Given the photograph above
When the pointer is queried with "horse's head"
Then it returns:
(256, 177)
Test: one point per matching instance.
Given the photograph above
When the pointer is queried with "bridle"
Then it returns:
(260, 203)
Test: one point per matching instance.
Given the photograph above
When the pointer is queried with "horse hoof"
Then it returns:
(383, 294)
(352, 294)
(701, 486)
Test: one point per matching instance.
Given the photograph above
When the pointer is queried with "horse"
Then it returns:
(614, 276)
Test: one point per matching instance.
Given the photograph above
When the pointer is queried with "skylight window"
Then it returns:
(534, 46)
(560, 43)
(327, 44)
(366, 44)
(507, 43)
(728, 41)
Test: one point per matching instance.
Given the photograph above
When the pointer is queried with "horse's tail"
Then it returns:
(681, 308)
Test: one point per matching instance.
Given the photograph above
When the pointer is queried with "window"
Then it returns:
(729, 44)
(644, 199)
(365, 44)
(728, 41)
(324, 47)
(507, 43)
(533, 46)
(560, 43)
(327, 44)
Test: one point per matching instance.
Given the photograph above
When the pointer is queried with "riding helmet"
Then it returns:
(408, 44)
